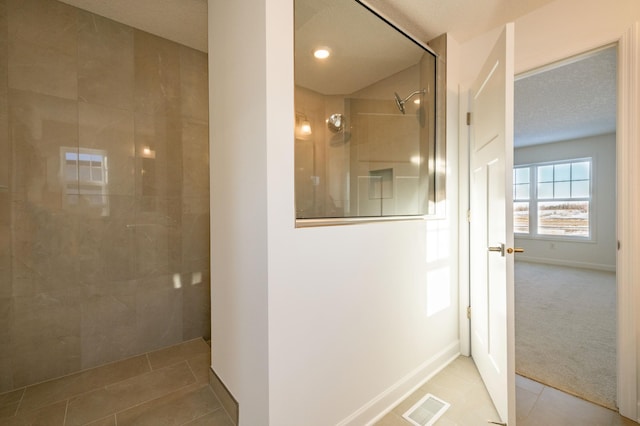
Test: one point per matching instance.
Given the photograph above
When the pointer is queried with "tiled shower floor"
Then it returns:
(165, 387)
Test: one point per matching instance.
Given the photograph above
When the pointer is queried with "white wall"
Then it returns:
(313, 326)
(600, 252)
(239, 227)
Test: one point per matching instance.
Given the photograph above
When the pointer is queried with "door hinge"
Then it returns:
(468, 119)
(469, 216)
(468, 312)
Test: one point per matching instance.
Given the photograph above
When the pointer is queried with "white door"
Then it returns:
(491, 234)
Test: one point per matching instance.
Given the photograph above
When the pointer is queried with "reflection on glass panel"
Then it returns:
(521, 218)
(568, 218)
(365, 119)
(85, 174)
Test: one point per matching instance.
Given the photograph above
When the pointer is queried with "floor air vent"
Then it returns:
(426, 411)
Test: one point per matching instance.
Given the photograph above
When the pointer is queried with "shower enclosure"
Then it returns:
(366, 116)
(104, 192)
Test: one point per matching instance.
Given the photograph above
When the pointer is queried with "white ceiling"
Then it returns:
(571, 100)
(565, 102)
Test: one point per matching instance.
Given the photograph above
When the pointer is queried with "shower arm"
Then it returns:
(420, 92)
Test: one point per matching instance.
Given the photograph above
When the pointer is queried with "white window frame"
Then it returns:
(534, 200)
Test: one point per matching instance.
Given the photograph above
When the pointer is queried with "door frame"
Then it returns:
(628, 178)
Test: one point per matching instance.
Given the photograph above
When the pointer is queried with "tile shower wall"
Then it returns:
(104, 192)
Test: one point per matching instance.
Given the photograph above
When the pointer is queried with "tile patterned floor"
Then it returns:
(536, 404)
(169, 387)
(165, 387)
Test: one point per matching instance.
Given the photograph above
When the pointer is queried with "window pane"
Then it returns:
(85, 173)
(545, 173)
(545, 191)
(580, 171)
(521, 218)
(580, 189)
(70, 171)
(562, 190)
(521, 175)
(563, 218)
(522, 192)
(562, 172)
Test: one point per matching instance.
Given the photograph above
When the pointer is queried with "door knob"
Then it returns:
(515, 250)
(499, 248)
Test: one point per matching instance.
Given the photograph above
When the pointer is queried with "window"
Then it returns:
(553, 199)
(85, 175)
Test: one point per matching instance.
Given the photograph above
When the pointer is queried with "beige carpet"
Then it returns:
(566, 329)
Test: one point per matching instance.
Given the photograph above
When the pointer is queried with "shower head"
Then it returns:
(400, 102)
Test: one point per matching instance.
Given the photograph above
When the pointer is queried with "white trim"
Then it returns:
(380, 405)
(628, 180)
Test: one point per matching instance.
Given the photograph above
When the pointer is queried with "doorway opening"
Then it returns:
(565, 219)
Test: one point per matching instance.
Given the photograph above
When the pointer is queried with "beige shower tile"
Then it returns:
(52, 415)
(159, 318)
(46, 320)
(157, 75)
(9, 402)
(195, 154)
(159, 156)
(105, 62)
(44, 250)
(217, 418)
(107, 332)
(11, 397)
(105, 83)
(196, 310)
(6, 369)
(200, 366)
(107, 421)
(42, 70)
(5, 147)
(158, 253)
(66, 387)
(195, 233)
(194, 84)
(127, 394)
(100, 37)
(3, 47)
(108, 132)
(8, 410)
(41, 126)
(106, 250)
(175, 409)
(50, 24)
(178, 353)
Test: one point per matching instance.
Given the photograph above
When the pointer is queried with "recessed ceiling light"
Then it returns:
(322, 53)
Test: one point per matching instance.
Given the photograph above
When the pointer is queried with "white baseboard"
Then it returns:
(570, 263)
(379, 406)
